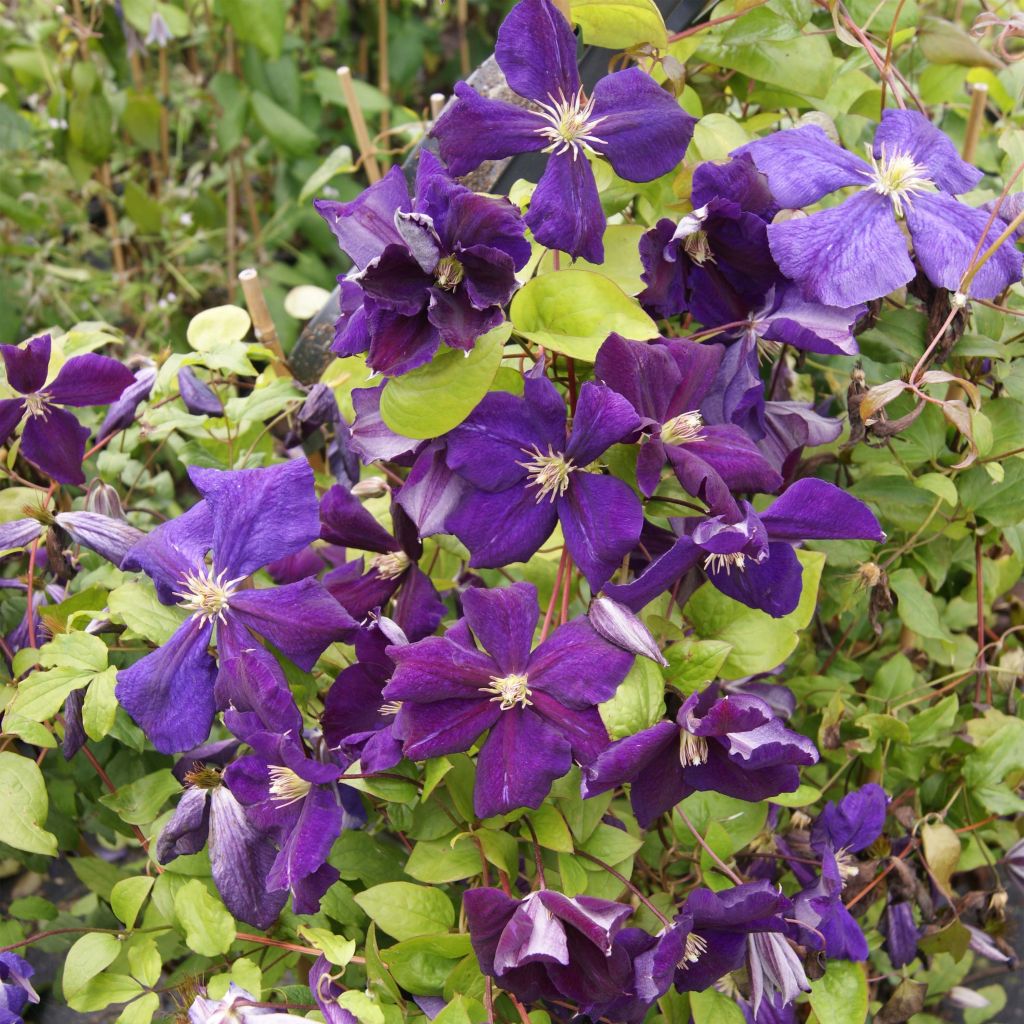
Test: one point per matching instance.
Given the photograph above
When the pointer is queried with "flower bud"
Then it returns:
(109, 537)
(371, 487)
(618, 625)
(104, 500)
(199, 398)
(967, 998)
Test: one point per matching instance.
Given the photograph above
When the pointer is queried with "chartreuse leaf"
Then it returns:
(260, 22)
(840, 995)
(694, 663)
(436, 862)
(103, 990)
(218, 326)
(638, 703)
(337, 949)
(90, 955)
(23, 805)
(139, 802)
(72, 660)
(573, 311)
(141, 1010)
(136, 606)
(942, 853)
(365, 1009)
(711, 1007)
(620, 24)
(127, 897)
(209, 928)
(421, 965)
(431, 400)
(621, 258)
(405, 910)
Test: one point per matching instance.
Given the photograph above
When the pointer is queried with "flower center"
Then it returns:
(36, 404)
(390, 708)
(692, 749)
(695, 948)
(549, 473)
(570, 123)
(898, 177)
(286, 787)
(205, 595)
(510, 690)
(202, 777)
(391, 565)
(847, 864)
(683, 429)
(724, 563)
(448, 273)
(698, 248)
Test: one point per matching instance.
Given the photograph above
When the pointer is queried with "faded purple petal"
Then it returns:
(188, 828)
(121, 413)
(372, 439)
(109, 537)
(19, 532)
(431, 491)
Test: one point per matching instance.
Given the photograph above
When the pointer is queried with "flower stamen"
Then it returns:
(549, 473)
(36, 404)
(725, 563)
(694, 949)
(899, 177)
(570, 123)
(693, 750)
(205, 595)
(390, 708)
(510, 690)
(391, 565)
(286, 787)
(448, 273)
(683, 429)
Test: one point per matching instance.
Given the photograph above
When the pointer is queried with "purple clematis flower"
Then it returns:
(752, 560)
(198, 397)
(237, 1007)
(16, 990)
(528, 473)
(733, 745)
(827, 924)
(121, 413)
(775, 970)
(666, 383)
(851, 825)
(436, 268)
(913, 174)
(248, 518)
(900, 932)
(52, 439)
(540, 706)
(548, 946)
(630, 120)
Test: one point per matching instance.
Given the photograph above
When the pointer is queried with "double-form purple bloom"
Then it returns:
(529, 472)
(855, 252)
(629, 120)
(539, 707)
(732, 744)
(200, 561)
(435, 268)
(52, 439)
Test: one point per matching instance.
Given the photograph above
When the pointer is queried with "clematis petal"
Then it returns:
(577, 666)
(490, 275)
(186, 832)
(351, 336)
(520, 759)
(643, 130)
(851, 253)
(601, 518)
(112, 538)
(301, 619)
(804, 164)
(583, 728)
(89, 380)
(55, 444)
(645, 375)
(488, 912)
(252, 688)
(364, 226)
(326, 993)
(773, 585)
(172, 550)
(474, 224)
(457, 320)
(602, 418)
(625, 759)
(792, 320)
(658, 577)
(121, 413)
(19, 532)
(169, 693)
(309, 841)
(565, 210)
(946, 234)
(199, 398)
(345, 521)
(11, 411)
(735, 458)
(259, 515)
(475, 129)
(505, 527)
(27, 366)
(400, 343)
(665, 275)
(431, 491)
(536, 50)
(417, 229)
(444, 727)
(853, 823)
(817, 510)
(503, 621)
(910, 132)
(372, 438)
(360, 594)
(437, 669)
(533, 935)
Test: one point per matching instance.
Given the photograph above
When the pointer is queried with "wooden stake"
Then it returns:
(975, 119)
(462, 19)
(355, 112)
(112, 226)
(437, 101)
(262, 322)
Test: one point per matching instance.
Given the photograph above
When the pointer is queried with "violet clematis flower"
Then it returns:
(198, 397)
(237, 1007)
(52, 439)
(436, 268)
(827, 924)
(774, 969)
(121, 413)
(548, 946)
(540, 706)
(752, 560)
(529, 472)
(248, 518)
(851, 825)
(913, 174)
(16, 990)
(630, 120)
(900, 932)
(733, 745)
(666, 383)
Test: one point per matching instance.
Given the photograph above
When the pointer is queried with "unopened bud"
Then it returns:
(870, 574)
(18, 533)
(997, 904)
(967, 998)
(104, 500)
(199, 398)
(618, 625)
(109, 537)
(371, 487)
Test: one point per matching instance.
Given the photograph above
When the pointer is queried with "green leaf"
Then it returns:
(573, 311)
(840, 995)
(802, 796)
(99, 710)
(209, 928)
(620, 24)
(103, 990)
(338, 161)
(145, 211)
(139, 802)
(284, 130)
(917, 608)
(621, 258)
(942, 853)
(421, 965)
(802, 65)
(141, 119)
(260, 22)
(362, 1007)
(552, 831)
(90, 955)
(611, 844)
(639, 701)
(141, 1010)
(715, 136)
(935, 725)
(405, 910)
(431, 400)
(127, 897)
(694, 663)
(209, 330)
(436, 862)
(23, 805)
(335, 948)
(42, 694)
(144, 959)
(711, 1007)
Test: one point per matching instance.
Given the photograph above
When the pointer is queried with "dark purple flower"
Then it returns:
(436, 268)
(52, 439)
(827, 924)
(666, 384)
(248, 518)
(539, 707)
(121, 413)
(900, 932)
(733, 745)
(199, 398)
(529, 472)
(752, 560)
(630, 120)
(851, 825)
(913, 174)
(548, 946)
(15, 989)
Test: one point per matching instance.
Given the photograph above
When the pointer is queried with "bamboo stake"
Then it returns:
(112, 225)
(461, 20)
(975, 119)
(437, 101)
(262, 321)
(355, 112)
(383, 72)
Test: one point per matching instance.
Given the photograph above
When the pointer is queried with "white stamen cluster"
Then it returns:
(725, 563)
(693, 750)
(570, 124)
(35, 404)
(205, 595)
(391, 565)
(549, 473)
(286, 787)
(390, 708)
(694, 949)
(847, 864)
(683, 429)
(899, 178)
(448, 273)
(698, 248)
(510, 690)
